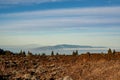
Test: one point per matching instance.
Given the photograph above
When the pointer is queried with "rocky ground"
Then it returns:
(60, 67)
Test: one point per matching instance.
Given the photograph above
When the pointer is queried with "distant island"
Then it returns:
(65, 46)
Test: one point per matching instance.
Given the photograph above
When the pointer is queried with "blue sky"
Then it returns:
(51, 22)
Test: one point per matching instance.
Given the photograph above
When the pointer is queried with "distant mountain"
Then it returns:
(64, 46)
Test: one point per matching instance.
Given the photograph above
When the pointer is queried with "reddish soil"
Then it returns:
(60, 67)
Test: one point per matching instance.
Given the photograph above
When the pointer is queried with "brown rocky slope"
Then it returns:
(60, 67)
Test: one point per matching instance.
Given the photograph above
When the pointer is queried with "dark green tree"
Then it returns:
(2, 52)
(52, 53)
(43, 54)
(88, 53)
(114, 51)
(22, 53)
(75, 53)
(109, 51)
(57, 53)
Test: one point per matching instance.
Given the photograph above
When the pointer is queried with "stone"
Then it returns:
(67, 78)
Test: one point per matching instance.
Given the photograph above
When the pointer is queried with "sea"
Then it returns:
(70, 51)
(67, 51)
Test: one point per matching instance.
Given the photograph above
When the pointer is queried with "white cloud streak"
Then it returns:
(103, 11)
(4, 4)
(15, 2)
(62, 19)
(59, 22)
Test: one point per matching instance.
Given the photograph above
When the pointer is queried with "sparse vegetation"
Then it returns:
(52, 53)
(114, 51)
(87, 66)
(109, 51)
(75, 53)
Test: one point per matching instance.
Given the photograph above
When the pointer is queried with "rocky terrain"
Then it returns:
(89, 66)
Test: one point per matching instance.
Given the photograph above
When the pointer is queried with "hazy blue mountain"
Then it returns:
(63, 46)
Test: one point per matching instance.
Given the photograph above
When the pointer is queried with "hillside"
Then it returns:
(87, 66)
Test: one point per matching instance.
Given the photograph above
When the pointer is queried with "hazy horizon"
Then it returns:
(53, 22)
(39, 49)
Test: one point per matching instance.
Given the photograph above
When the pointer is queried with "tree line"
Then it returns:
(74, 53)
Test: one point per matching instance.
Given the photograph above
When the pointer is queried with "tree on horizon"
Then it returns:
(52, 53)
(109, 51)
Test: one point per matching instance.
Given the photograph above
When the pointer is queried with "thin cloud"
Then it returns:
(57, 23)
(99, 11)
(62, 19)
(4, 4)
(14, 2)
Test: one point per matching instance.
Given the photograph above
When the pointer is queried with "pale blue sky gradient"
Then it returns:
(51, 22)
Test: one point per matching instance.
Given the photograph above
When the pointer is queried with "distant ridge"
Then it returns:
(64, 46)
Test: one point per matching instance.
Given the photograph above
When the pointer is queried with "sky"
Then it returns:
(52, 22)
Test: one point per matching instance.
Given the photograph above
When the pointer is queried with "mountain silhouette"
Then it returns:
(64, 46)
